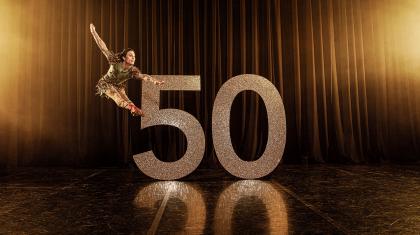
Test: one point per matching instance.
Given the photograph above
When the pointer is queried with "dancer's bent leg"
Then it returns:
(125, 97)
(123, 102)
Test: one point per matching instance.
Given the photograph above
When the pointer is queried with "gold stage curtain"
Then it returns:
(348, 72)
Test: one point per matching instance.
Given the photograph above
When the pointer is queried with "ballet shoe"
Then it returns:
(135, 111)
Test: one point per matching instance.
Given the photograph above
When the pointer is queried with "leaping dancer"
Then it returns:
(121, 69)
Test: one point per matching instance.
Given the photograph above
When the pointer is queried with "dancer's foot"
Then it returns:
(135, 111)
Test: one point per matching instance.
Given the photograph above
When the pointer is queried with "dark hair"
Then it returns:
(123, 53)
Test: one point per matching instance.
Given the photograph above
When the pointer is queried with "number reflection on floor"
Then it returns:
(249, 206)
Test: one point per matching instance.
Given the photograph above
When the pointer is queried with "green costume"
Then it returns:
(116, 76)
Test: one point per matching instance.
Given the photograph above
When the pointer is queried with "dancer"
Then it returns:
(121, 69)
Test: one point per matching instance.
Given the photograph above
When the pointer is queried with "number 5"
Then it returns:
(147, 162)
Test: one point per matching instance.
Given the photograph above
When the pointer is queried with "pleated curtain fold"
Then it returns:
(348, 73)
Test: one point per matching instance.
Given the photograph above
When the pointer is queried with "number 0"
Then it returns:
(276, 127)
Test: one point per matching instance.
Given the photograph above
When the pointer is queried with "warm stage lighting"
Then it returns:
(10, 43)
(402, 35)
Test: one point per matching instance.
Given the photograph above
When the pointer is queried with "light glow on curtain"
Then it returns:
(348, 72)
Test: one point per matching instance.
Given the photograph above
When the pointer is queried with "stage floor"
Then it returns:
(293, 200)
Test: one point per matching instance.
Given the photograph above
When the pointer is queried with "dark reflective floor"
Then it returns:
(294, 200)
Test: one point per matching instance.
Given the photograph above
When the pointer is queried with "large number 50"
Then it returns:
(188, 124)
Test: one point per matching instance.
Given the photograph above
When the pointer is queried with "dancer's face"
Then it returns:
(130, 58)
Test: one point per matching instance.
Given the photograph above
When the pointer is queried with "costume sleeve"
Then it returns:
(136, 74)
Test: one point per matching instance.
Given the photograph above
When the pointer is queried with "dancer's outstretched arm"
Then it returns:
(100, 43)
(137, 74)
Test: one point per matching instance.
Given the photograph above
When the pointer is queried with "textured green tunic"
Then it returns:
(116, 77)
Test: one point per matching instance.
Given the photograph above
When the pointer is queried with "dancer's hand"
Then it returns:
(157, 83)
(92, 28)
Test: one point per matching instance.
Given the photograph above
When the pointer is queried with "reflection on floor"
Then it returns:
(293, 200)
